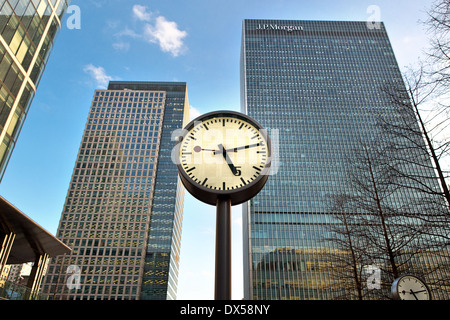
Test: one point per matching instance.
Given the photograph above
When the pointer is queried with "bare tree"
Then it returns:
(438, 25)
(414, 139)
(419, 151)
(397, 215)
(373, 181)
(376, 225)
(348, 259)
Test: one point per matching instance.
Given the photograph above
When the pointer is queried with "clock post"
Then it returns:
(222, 287)
(223, 159)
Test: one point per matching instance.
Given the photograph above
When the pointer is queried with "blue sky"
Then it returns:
(196, 41)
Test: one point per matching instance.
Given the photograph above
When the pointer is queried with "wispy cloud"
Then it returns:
(156, 29)
(99, 75)
(121, 46)
(127, 32)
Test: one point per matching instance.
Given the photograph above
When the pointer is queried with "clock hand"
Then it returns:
(413, 293)
(418, 291)
(227, 158)
(239, 148)
(198, 149)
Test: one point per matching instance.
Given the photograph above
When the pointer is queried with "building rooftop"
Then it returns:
(147, 85)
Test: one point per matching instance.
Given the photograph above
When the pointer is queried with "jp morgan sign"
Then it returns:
(278, 27)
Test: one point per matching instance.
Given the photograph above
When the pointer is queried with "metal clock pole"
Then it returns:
(223, 250)
(213, 192)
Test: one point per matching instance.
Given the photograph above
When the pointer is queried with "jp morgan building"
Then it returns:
(317, 84)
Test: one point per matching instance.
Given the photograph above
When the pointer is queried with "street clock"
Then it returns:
(224, 154)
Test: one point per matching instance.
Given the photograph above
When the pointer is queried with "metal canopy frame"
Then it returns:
(23, 240)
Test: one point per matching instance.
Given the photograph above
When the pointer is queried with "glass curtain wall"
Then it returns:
(316, 85)
(27, 34)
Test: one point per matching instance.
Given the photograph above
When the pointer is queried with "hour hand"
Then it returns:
(227, 159)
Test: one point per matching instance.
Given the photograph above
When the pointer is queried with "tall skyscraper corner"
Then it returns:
(124, 207)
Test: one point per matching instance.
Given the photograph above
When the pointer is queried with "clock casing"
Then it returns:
(410, 287)
(223, 155)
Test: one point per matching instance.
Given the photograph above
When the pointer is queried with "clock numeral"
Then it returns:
(238, 172)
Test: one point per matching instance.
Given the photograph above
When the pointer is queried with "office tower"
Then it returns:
(27, 34)
(317, 86)
(123, 212)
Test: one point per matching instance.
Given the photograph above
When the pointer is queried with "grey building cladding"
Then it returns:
(124, 207)
(316, 84)
(160, 273)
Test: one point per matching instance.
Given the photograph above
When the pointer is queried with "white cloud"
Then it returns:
(140, 12)
(195, 284)
(167, 35)
(99, 75)
(157, 30)
(237, 221)
(193, 112)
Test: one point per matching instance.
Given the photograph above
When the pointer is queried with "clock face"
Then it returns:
(411, 288)
(224, 153)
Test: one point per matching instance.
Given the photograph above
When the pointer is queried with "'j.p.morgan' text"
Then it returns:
(278, 27)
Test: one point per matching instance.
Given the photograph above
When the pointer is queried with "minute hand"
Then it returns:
(227, 159)
(414, 294)
(239, 148)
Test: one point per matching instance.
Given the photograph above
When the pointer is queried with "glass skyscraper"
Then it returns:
(123, 211)
(27, 33)
(314, 85)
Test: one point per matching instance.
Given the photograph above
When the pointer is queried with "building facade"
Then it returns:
(316, 86)
(123, 212)
(27, 33)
